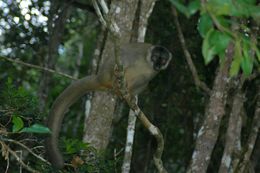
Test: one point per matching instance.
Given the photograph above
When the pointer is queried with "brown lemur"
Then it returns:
(141, 61)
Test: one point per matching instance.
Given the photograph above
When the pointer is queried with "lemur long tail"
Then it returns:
(68, 97)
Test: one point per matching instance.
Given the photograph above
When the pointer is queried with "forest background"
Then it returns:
(206, 103)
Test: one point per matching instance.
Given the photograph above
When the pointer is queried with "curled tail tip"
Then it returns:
(54, 155)
(58, 164)
(56, 161)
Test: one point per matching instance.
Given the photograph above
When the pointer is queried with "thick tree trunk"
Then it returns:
(208, 133)
(233, 141)
(99, 123)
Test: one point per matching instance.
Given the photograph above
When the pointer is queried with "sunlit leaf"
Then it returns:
(36, 128)
(238, 8)
(247, 60)
(17, 123)
(235, 66)
(193, 7)
(208, 52)
(247, 65)
(220, 7)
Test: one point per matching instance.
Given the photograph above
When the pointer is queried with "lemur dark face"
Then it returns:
(160, 57)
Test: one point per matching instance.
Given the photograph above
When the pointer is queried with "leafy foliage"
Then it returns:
(217, 32)
(171, 101)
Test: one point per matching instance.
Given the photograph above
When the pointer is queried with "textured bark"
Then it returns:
(56, 26)
(208, 133)
(233, 141)
(129, 143)
(245, 165)
(99, 123)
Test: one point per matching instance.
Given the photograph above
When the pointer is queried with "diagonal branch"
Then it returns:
(28, 149)
(187, 55)
(8, 149)
(38, 67)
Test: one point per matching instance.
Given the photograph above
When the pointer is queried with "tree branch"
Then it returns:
(9, 150)
(215, 110)
(28, 149)
(129, 142)
(241, 168)
(38, 67)
(233, 134)
(187, 55)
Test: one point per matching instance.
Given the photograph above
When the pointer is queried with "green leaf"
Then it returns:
(36, 128)
(235, 66)
(247, 65)
(208, 51)
(74, 145)
(193, 7)
(247, 61)
(252, 2)
(219, 41)
(239, 8)
(224, 21)
(17, 123)
(220, 7)
(215, 43)
(204, 24)
(180, 7)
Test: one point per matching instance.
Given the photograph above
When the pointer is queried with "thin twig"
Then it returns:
(7, 166)
(99, 14)
(187, 55)
(37, 67)
(28, 168)
(28, 149)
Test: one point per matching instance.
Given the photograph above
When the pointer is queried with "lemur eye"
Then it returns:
(154, 58)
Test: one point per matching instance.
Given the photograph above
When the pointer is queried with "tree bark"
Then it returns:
(244, 164)
(208, 133)
(99, 123)
(233, 141)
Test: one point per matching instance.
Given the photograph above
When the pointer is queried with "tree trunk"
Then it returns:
(98, 125)
(208, 133)
(233, 141)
